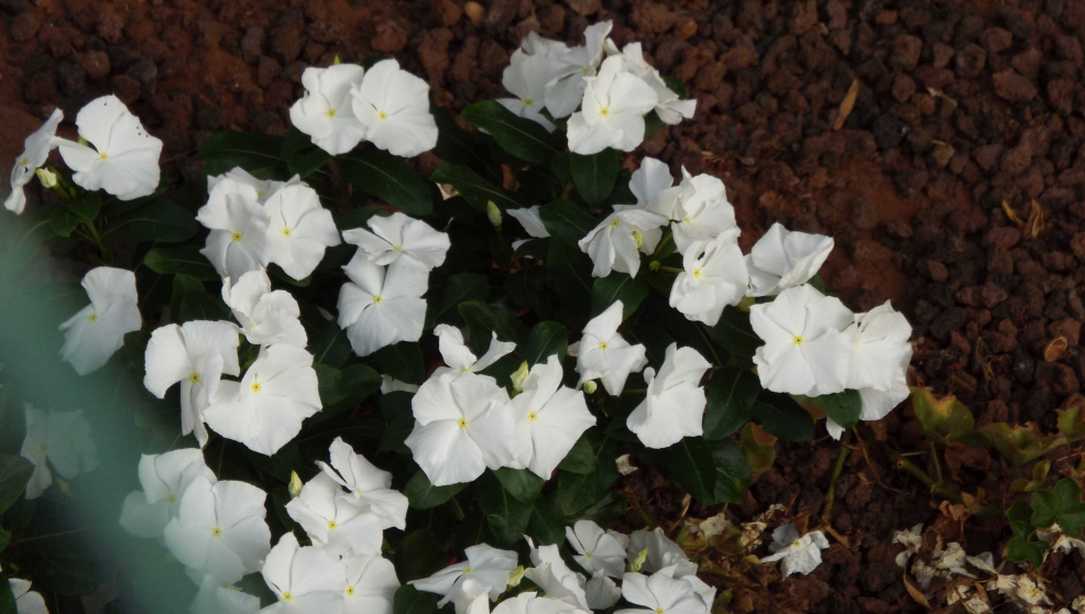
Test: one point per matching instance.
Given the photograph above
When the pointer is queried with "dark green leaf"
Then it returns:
(577, 492)
(546, 525)
(402, 361)
(732, 472)
(473, 187)
(67, 216)
(15, 472)
(456, 145)
(351, 384)
(5, 539)
(732, 394)
(190, 300)
(329, 344)
(842, 407)
(520, 483)
(7, 599)
(734, 334)
(520, 137)
(595, 175)
(302, 157)
(568, 276)
(390, 179)
(546, 338)
(1024, 549)
(567, 221)
(159, 221)
(689, 463)
(581, 459)
(186, 260)
(422, 495)
(1062, 504)
(256, 153)
(506, 516)
(614, 287)
(781, 416)
(462, 287)
(398, 421)
(481, 318)
(409, 600)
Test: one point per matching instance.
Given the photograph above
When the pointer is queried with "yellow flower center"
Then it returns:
(93, 317)
(349, 591)
(23, 162)
(171, 499)
(397, 247)
(467, 570)
(462, 423)
(332, 525)
(378, 299)
(605, 111)
(615, 223)
(532, 416)
(381, 115)
(216, 532)
(235, 236)
(256, 387)
(659, 611)
(697, 273)
(602, 345)
(527, 102)
(288, 596)
(797, 340)
(103, 155)
(286, 232)
(194, 378)
(330, 112)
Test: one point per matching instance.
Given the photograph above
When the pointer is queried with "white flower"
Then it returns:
(661, 592)
(124, 158)
(653, 186)
(550, 418)
(299, 230)
(669, 108)
(382, 305)
(661, 552)
(572, 65)
(526, 77)
(530, 603)
(704, 591)
(675, 403)
(371, 585)
(265, 410)
(331, 520)
(713, 276)
(604, 354)
(393, 106)
(598, 550)
(614, 244)
(458, 357)
(601, 592)
(880, 354)
(220, 529)
(196, 354)
(398, 235)
(60, 439)
(702, 212)
(163, 478)
(553, 576)
(239, 226)
(26, 600)
(264, 187)
(36, 150)
(305, 579)
(531, 219)
(325, 112)
(266, 317)
(222, 598)
(612, 112)
(487, 566)
(448, 411)
(390, 384)
(96, 331)
(369, 487)
(782, 259)
(799, 554)
(804, 351)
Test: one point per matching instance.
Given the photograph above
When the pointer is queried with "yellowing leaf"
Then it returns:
(945, 418)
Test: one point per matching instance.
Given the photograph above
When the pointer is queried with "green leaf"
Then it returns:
(520, 137)
(409, 600)
(462, 287)
(567, 221)
(546, 338)
(158, 221)
(733, 474)
(506, 516)
(594, 175)
(1024, 549)
(520, 483)
(390, 179)
(7, 598)
(481, 318)
(781, 416)
(329, 343)
(190, 300)
(1062, 505)
(581, 458)
(732, 394)
(689, 463)
(578, 492)
(734, 334)
(302, 157)
(351, 384)
(67, 216)
(843, 407)
(15, 472)
(546, 524)
(5, 539)
(614, 287)
(945, 418)
(568, 276)
(422, 495)
(402, 361)
(186, 260)
(473, 187)
(256, 153)
(456, 145)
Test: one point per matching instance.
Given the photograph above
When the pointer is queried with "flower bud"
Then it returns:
(47, 178)
(493, 213)
(519, 376)
(516, 576)
(337, 60)
(590, 386)
(637, 563)
(295, 484)
(654, 265)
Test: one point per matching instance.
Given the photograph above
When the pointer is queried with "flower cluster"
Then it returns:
(605, 92)
(653, 572)
(218, 530)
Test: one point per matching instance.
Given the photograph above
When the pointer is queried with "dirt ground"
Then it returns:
(952, 178)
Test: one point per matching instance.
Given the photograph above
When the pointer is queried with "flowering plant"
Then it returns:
(355, 368)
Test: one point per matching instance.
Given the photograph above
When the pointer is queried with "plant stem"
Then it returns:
(838, 468)
(939, 488)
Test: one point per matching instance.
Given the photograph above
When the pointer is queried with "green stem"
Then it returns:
(939, 488)
(666, 269)
(830, 496)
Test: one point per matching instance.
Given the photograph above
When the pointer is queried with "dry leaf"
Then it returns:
(1055, 349)
(846, 105)
(916, 594)
(1010, 213)
(1036, 219)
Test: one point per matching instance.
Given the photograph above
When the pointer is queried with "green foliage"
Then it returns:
(409, 600)
(423, 495)
(389, 179)
(520, 137)
(15, 472)
(595, 175)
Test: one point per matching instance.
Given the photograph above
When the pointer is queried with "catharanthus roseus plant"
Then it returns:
(364, 370)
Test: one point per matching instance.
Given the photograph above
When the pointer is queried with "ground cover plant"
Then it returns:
(478, 346)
